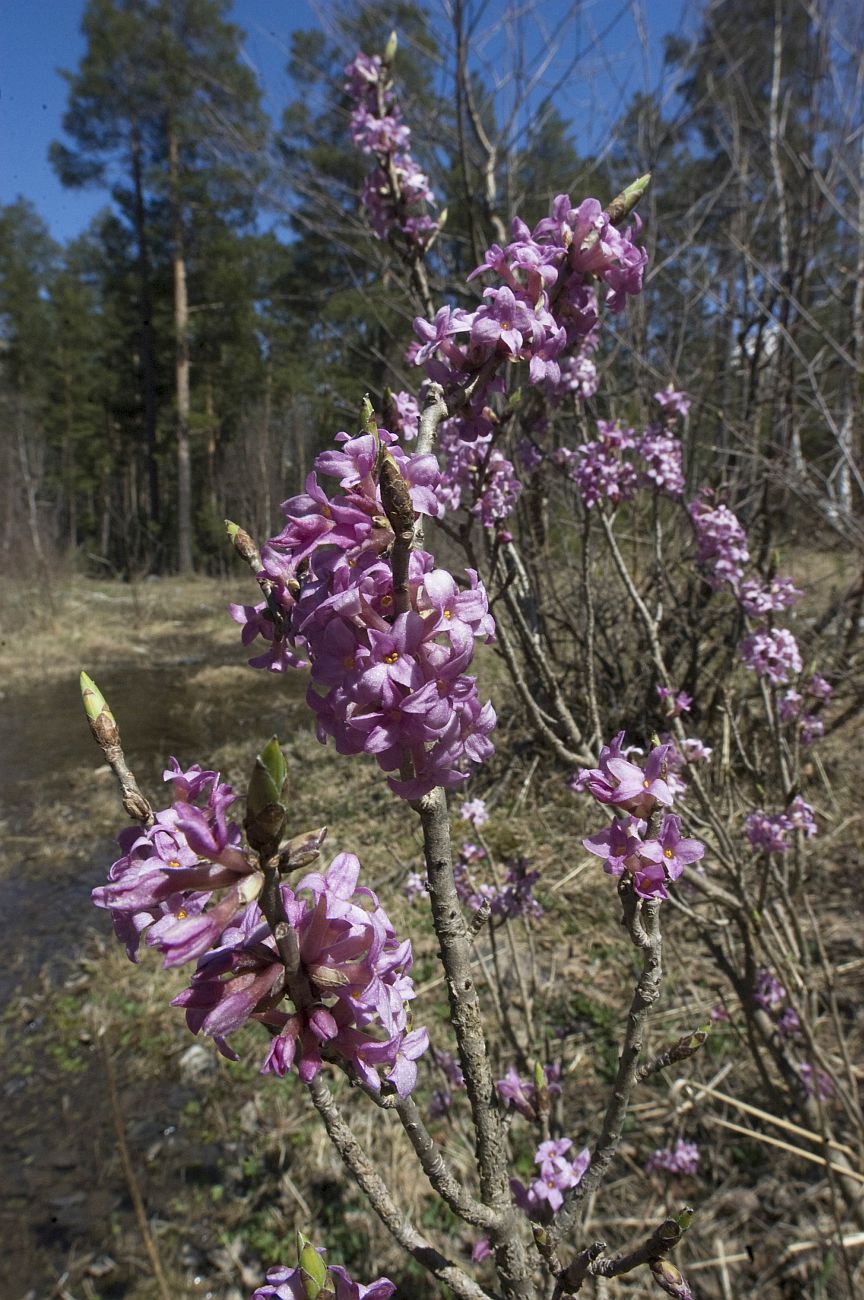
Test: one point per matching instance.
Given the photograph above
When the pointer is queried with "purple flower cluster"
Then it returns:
(673, 402)
(768, 992)
(772, 834)
(354, 971)
(603, 469)
(579, 378)
(287, 1284)
(661, 452)
(357, 972)
(679, 756)
(169, 872)
(792, 708)
(674, 702)
(682, 1159)
(759, 600)
(402, 415)
(816, 1082)
(515, 897)
(391, 685)
(543, 304)
(721, 542)
(477, 471)
(521, 1094)
(474, 811)
(599, 467)
(771, 996)
(638, 792)
(396, 193)
(768, 652)
(545, 1195)
(771, 653)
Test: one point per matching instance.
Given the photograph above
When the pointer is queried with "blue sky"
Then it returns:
(40, 36)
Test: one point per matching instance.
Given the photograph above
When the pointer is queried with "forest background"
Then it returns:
(186, 354)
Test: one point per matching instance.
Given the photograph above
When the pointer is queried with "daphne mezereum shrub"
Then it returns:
(352, 595)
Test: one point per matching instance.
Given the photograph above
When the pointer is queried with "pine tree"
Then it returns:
(163, 109)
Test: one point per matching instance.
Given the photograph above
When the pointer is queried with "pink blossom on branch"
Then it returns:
(285, 1283)
(188, 885)
(682, 1159)
(652, 862)
(773, 655)
(391, 685)
(397, 192)
(542, 1198)
(542, 311)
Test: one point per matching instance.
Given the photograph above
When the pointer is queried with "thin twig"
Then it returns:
(643, 923)
(147, 1237)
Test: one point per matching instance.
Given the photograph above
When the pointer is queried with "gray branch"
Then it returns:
(381, 1199)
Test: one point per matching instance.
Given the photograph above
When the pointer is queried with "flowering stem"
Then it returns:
(380, 1198)
(412, 254)
(467, 1021)
(725, 848)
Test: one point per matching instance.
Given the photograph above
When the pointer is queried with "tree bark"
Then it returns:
(181, 367)
(146, 340)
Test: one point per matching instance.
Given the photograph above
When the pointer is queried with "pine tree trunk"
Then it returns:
(68, 453)
(146, 340)
(181, 330)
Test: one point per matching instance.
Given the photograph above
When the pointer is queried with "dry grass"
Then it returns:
(228, 1164)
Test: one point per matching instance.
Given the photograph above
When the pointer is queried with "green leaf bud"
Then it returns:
(367, 416)
(313, 1270)
(100, 717)
(266, 810)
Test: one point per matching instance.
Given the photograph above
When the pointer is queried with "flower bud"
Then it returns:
(670, 1279)
(367, 416)
(302, 850)
(390, 48)
(395, 496)
(100, 717)
(624, 203)
(243, 544)
(313, 1271)
(266, 813)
